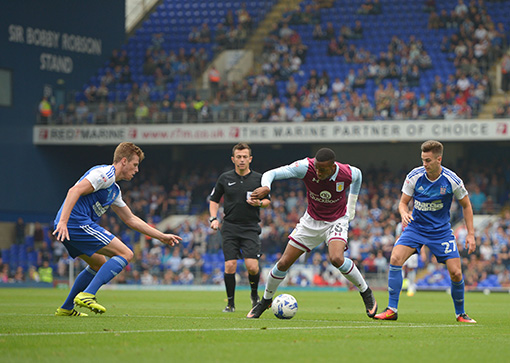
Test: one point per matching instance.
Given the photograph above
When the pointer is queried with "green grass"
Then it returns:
(178, 326)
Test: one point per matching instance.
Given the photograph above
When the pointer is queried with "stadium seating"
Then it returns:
(175, 19)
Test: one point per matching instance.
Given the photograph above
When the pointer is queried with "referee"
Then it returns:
(240, 230)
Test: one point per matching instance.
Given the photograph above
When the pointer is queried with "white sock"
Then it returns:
(411, 276)
(274, 279)
(351, 273)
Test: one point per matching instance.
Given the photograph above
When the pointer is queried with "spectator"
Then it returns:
(82, 113)
(46, 272)
(45, 111)
(19, 231)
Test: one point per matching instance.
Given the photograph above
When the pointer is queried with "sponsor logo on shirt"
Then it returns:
(324, 197)
(325, 194)
(99, 209)
(428, 207)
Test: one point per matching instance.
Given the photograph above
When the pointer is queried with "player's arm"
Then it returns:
(141, 226)
(84, 187)
(261, 203)
(297, 169)
(213, 212)
(403, 208)
(214, 203)
(467, 211)
(354, 189)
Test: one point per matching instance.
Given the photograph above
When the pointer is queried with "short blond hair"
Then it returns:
(127, 150)
(434, 146)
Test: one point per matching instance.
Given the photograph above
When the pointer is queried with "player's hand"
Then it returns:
(61, 232)
(260, 193)
(470, 243)
(407, 218)
(215, 224)
(170, 239)
(254, 202)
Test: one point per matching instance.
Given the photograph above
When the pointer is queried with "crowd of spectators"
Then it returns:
(155, 196)
(473, 45)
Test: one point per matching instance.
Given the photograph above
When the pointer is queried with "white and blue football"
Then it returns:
(284, 306)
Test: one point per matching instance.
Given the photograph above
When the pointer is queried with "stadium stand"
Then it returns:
(420, 63)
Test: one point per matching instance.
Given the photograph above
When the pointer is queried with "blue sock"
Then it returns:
(81, 282)
(394, 285)
(458, 296)
(108, 271)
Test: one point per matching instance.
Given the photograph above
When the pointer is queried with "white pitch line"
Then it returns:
(227, 329)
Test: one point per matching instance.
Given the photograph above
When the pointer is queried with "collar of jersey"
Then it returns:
(333, 177)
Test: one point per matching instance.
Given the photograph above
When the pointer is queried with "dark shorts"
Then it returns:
(240, 241)
(87, 240)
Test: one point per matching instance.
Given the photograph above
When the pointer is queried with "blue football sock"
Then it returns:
(458, 296)
(81, 282)
(108, 271)
(394, 285)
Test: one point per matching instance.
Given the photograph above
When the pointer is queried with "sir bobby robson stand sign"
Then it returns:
(265, 133)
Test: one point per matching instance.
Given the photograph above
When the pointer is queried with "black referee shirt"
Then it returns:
(235, 189)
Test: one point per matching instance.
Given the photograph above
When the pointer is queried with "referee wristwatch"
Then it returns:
(212, 219)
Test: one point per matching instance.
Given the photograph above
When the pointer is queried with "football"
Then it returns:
(284, 306)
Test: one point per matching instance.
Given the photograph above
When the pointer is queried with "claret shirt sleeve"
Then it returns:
(297, 169)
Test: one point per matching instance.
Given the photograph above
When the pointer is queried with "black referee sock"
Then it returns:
(230, 286)
(254, 283)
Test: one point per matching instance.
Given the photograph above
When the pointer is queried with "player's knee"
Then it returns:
(230, 266)
(252, 270)
(396, 260)
(128, 255)
(283, 265)
(456, 275)
(96, 266)
(337, 261)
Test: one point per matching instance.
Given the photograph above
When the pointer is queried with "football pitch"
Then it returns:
(189, 326)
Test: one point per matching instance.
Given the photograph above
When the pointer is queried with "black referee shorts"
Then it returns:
(240, 241)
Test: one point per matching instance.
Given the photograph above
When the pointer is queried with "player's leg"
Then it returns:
(457, 289)
(336, 248)
(399, 255)
(411, 267)
(120, 255)
(229, 277)
(230, 245)
(275, 278)
(347, 267)
(279, 271)
(252, 265)
(82, 281)
(251, 250)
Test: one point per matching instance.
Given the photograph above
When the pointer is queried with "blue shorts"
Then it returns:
(443, 246)
(87, 239)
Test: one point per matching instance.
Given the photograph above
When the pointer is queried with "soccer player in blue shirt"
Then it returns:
(432, 187)
(76, 227)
